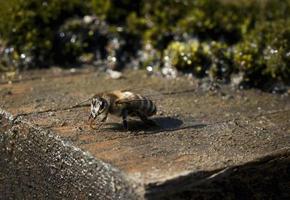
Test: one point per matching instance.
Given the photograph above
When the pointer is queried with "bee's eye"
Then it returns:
(93, 102)
(102, 105)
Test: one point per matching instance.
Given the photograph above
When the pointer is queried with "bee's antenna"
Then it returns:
(80, 103)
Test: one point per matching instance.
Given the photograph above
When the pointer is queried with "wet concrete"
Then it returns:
(203, 132)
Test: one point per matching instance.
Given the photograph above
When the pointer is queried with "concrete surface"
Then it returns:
(213, 141)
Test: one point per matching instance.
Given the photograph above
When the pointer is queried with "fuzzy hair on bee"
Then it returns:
(122, 104)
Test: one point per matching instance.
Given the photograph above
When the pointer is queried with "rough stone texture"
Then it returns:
(265, 178)
(211, 140)
(36, 164)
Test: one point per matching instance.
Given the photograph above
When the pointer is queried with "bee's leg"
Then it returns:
(96, 126)
(92, 125)
(124, 117)
(101, 123)
(147, 121)
(104, 118)
(90, 119)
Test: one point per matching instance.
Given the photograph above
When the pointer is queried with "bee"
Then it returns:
(122, 103)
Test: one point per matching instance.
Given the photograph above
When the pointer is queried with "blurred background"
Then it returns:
(246, 42)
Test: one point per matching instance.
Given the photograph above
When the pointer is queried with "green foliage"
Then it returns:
(30, 26)
(188, 56)
(270, 10)
(220, 55)
(264, 55)
(201, 58)
(79, 36)
(101, 8)
(114, 11)
(149, 19)
(213, 20)
(206, 37)
(161, 17)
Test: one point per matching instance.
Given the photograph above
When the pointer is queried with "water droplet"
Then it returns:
(73, 39)
(169, 72)
(22, 56)
(88, 19)
(166, 58)
(120, 29)
(273, 51)
(62, 34)
(149, 69)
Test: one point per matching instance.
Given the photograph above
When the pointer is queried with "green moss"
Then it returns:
(117, 11)
(151, 20)
(188, 56)
(277, 50)
(149, 57)
(264, 53)
(220, 55)
(211, 19)
(30, 26)
(206, 37)
(101, 8)
(78, 36)
(270, 10)
(201, 58)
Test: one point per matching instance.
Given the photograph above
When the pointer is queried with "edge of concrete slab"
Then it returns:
(36, 163)
(257, 176)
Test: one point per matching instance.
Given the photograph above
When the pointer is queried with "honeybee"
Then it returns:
(122, 103)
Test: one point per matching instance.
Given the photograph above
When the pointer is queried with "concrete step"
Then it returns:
(211, 141)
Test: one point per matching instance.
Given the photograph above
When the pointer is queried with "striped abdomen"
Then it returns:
(141, 104)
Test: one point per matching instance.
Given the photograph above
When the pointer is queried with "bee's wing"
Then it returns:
(150, 94)
(157, 95)
(153, 95)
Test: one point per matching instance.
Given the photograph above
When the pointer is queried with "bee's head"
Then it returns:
(98, 106)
